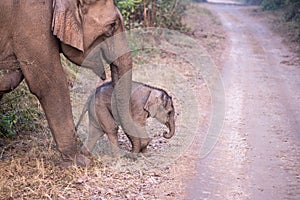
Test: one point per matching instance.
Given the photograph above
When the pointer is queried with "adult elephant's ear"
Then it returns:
(66, 23)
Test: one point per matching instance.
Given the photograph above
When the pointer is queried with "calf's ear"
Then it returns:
(66, 23)
(152, 102)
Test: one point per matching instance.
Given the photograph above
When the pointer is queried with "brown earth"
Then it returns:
(257, 154)
(30, 163)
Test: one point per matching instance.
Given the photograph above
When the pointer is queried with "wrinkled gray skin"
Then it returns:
(146, 101)
(35, 32)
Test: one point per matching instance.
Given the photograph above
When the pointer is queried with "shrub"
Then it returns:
(272, 4)
(292, 10)
(19, 111)
(254, 2)
(152, 13)
(129, 9)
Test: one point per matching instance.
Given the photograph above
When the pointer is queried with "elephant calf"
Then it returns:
(146, 101)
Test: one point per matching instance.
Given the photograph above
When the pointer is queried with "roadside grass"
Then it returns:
(30, 170)
(207, 29)
(20, 111)
(292, 30)
(288, 30)
(30, 167)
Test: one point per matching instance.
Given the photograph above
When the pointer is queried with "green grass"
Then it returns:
(20, 111)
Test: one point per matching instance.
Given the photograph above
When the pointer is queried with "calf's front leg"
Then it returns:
(93, 136)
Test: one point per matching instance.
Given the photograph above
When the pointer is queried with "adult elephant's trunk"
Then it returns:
(171, 125)
(121, 72)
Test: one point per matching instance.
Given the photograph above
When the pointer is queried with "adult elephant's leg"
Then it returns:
(117, 51)
(139, 144)
(48, 82)
(136, 145)
(46, 79)
(37, 50)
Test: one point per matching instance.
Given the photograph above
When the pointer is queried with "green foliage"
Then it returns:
(128, 9)
(292, 10)
(19, 111)
(169, 14)
(290, 7)
(152, 13)
(272, 4)
(253, 2)
(292, 16)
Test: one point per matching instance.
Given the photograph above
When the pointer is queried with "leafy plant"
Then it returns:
(152, 13)
(169, 14)
(19, 111)
(292, 10)
(252, 2)
(272, 4)
(128, 9)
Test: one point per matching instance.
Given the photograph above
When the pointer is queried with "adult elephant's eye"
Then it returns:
(113, 26)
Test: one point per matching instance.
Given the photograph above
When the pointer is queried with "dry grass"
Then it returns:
(207, 29)
(30, 170)
(30, 163)
(289, 31)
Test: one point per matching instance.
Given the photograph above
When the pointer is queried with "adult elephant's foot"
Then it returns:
(79, 160)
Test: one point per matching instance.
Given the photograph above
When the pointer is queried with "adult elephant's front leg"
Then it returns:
(136, 146)
(46, 79)
(53, 94)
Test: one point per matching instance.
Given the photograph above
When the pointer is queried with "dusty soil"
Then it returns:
(257, 154)
(30, 163)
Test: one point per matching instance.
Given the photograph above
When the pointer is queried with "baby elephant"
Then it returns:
(146, 101)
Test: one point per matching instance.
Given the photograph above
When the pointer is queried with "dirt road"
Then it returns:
(258, 152)
(257, 155)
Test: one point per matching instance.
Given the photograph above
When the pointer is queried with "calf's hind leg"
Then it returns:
(109, 126)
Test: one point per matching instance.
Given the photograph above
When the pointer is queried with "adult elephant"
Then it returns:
(33, 33)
